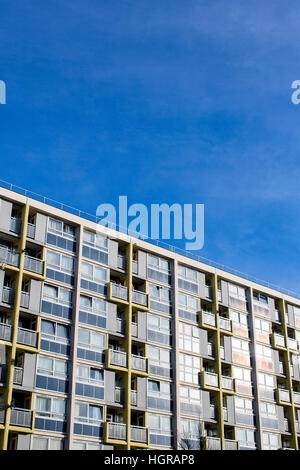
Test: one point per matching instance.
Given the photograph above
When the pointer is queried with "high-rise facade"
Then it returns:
(110, 342)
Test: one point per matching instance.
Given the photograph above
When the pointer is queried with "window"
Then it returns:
(52, 367)
(188, 302)
(160, 294)
(187, 273)
(257, 297)
(160, 357)
(90, 375)
(95, 305)
(87, 413)
(61, 228)
(55, 331)
(191, 429)
(91, 340)
(84, 445)
(243, 405)
(263, 351)
(95, 240)
(159, 329)
(189, 368)
(246, 437)
(262, 326)
(160, 424)
(190, 395)
(240, 345)
(92, 272)
(50, 407)
(159, 388)
(46, 443)
(59, 261)
(242, 375)
(57, 294)
(189, 338)
(239, 318)
(158, 263)
(268, 409)
(271, 441)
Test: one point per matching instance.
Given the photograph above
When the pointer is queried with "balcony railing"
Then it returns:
(208, 292)
(8, 295)
(21, 417)
(210, 349)
(211, 379)
(30, 230)
(222, 352)
(3, 373)
(225, 324)
(34, 265)
(293, 344)
(134, 330)
(231, 445)
(121, 325)
(9, 256)
(227, 383)
(2, 415)
(15, 225)
(18, 376)
(5, 332)
(117, 358)
(139, 363)
(139, 298)
(27, 337)
(119, 292)
(121, 262)
(138, 434)
(133, 397)
(284, 395)
(24, 301)
(212, 411)
(225, 413)
(296, 396)
(212, 443)
(117, 431)
(119, 395)
(279, 340)
(135, 268)
(209, 318)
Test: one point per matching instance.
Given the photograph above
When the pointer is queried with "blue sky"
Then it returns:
(163, 101)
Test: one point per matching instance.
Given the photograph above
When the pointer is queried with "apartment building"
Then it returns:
(111, 342)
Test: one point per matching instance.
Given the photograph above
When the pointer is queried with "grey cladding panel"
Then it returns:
(5, 214)
(113, 249)
(142, 264)
(142, 392)
(201, 284)
(203, 342)
(35, 295)
(40, 228)
(23, 441)
(142, 326)
(29, 370)
(109, 384)
(228, 348)
(224, 292)
(111, 317)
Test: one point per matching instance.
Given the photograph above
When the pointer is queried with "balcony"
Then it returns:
(5, 332)
(117, 358)
(140, 298)
(18, 376)
(139, 363)
(231, 445)
(119, 395)
(34, 265)
(121, 262)
(228, 383)
(31, 231)
(3, 373)
(212, 411)
(225, 324)
(133, 397)
(15, 225)
(2, 415)
(283, 395)
(8, 295)
(296, 396)
(212, 443)
(210, 379)
(209, 319)
(139, 434)
(118, 291)
(293, 344)
(21, 417)
(117, 431)
(24, 301)
(9, 256)
(278, 340)
(27, 337)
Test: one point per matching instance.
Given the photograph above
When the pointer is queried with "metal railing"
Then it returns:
(15, 225)
(9, 256)
(118, 291)
(140, 298)
(121, 262)
(117, 358)
(5, 332)
(227, 383)
(117, 431)
(133, 397)
(213, 443)
(119, 395)
(279, 340)
(211, 379)
(212, 411)
(8, 295)
(231, 444)
(209, 318)
(293, 344)
(134, 329)
(210, 349)
(24, 301)
(139, 363)
(284, 395)
(34, 265)
(135, 268)
(30, 230)
(21, 417)
(225, 324)
(151, 241)
(2, 415)
(121, 325)
(18, 376)
(138, 434)
(296, 396)
(27, 337)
